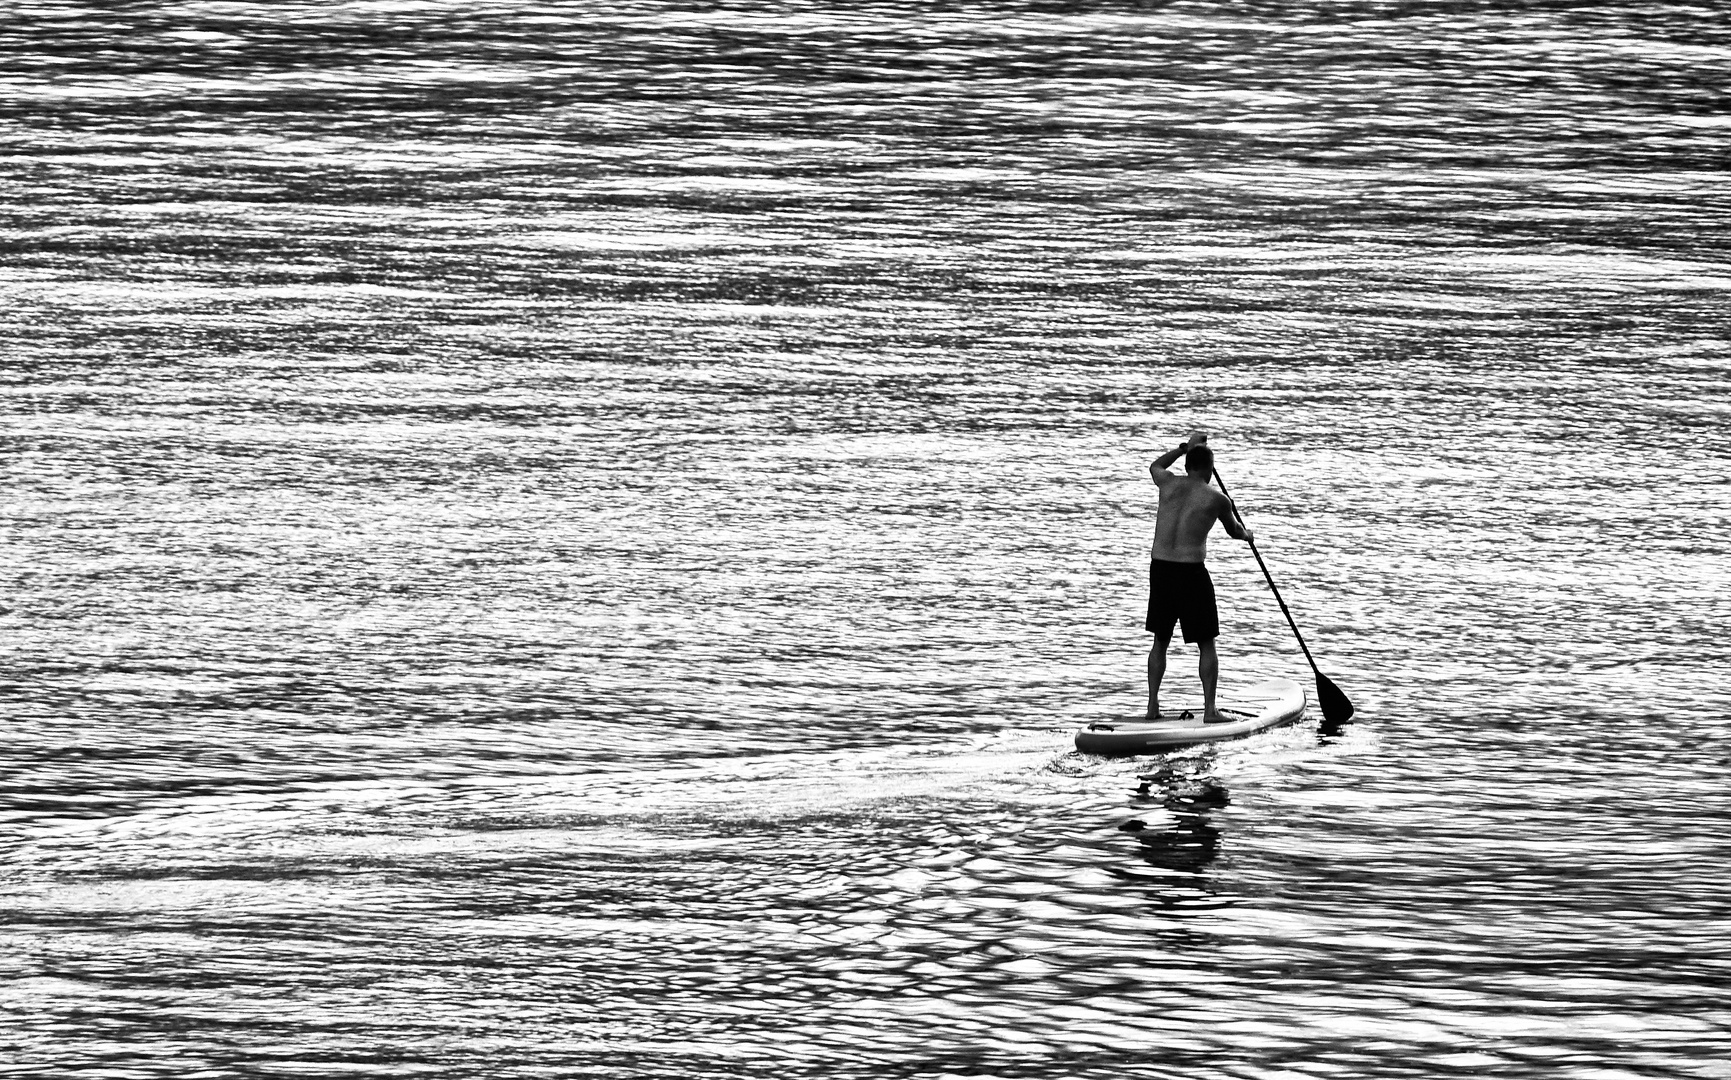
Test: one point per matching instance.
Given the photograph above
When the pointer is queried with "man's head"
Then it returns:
(1199, 462)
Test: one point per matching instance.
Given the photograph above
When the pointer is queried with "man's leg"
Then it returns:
(1156, 671)
(1208, 668)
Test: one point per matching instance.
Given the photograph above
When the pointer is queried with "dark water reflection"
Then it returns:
(545, 541)
(1191, 841)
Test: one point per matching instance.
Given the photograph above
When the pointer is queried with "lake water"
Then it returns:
(572, 540)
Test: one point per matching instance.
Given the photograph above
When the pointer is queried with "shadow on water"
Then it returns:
(1191, 840)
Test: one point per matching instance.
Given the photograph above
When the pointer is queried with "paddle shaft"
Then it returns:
(1276, 589)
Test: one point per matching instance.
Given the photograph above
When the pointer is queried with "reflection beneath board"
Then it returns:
(1190, 840)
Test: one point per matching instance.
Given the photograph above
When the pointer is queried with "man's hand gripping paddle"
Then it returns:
(1336, 709)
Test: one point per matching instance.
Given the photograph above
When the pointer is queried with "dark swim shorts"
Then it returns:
(1181, 591)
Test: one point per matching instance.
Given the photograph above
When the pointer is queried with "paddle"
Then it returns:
(1336, 709)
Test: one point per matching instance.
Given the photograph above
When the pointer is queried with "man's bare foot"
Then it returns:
(1215, 716)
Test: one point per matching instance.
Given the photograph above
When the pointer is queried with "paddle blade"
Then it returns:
(1336, 709)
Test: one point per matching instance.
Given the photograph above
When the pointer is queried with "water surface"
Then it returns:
(572, 539)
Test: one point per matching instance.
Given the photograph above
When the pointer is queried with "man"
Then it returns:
(1179, 588)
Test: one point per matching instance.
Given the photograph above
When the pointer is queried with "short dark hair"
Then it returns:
(1199, 459)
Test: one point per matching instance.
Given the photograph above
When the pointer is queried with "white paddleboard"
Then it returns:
(1257, 708)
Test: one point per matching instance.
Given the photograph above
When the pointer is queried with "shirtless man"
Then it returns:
(1179, 588)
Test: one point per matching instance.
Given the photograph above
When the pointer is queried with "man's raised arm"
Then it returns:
(1159, 467)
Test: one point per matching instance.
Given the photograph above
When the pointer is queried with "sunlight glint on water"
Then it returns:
(545, 542)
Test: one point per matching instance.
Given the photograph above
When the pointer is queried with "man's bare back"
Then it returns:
(1189, 507)
(1188, 510)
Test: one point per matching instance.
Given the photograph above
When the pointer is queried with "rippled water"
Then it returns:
(571, 540)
